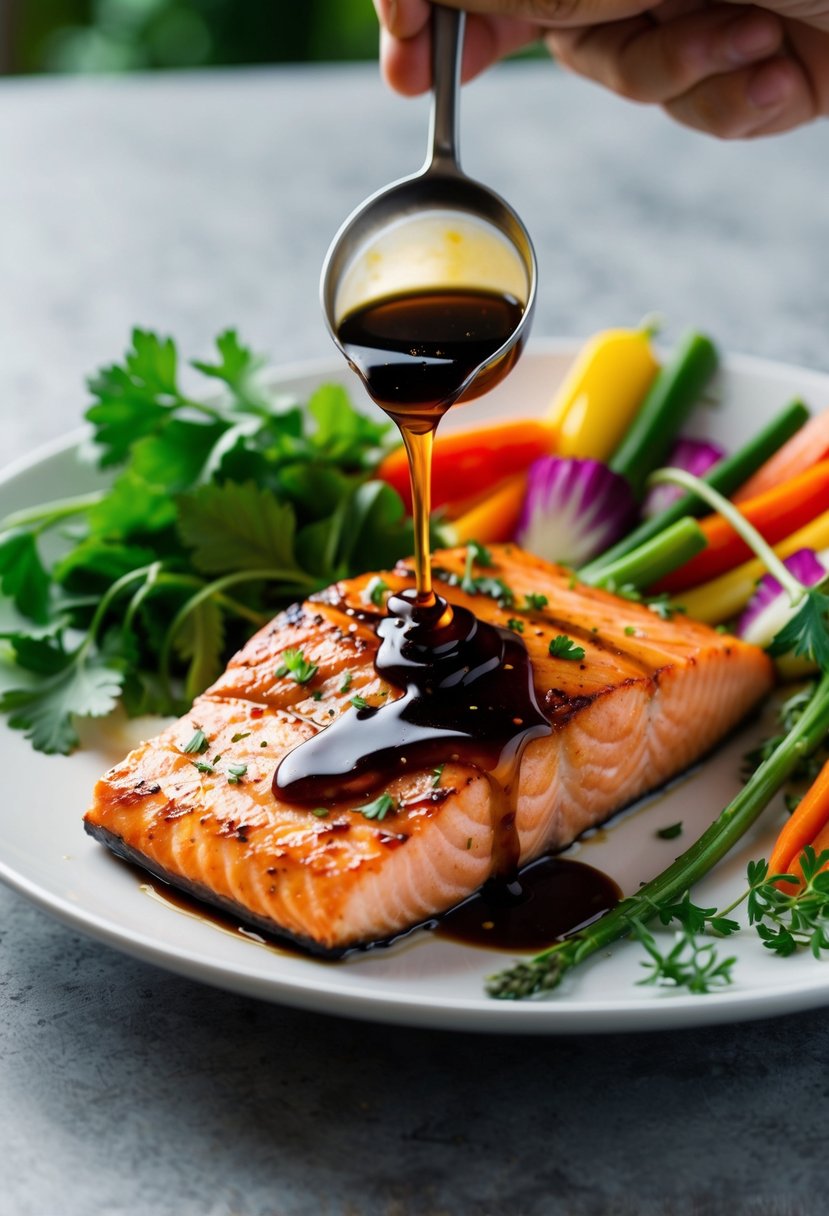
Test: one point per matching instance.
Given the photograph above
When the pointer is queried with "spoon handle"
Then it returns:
(447, 48)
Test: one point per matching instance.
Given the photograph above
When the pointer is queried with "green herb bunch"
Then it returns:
(223, 507)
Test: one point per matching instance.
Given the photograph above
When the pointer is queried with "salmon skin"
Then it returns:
(649, 697)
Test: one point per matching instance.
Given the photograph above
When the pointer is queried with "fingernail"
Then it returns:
(752, 37)
(769, 86)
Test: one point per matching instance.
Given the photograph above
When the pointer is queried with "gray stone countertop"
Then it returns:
(190, 202)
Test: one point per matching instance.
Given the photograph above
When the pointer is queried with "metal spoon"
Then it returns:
(441, 185)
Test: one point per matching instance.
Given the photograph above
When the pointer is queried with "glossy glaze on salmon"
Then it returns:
(649, 697)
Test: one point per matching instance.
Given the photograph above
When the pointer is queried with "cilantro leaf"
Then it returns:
(563, 647)
(175, 456)
(236, 363)
(86, 683)
(132, 508)
(22, 575)
(135, 397)
(807, 633)
(342, 433)
(238, 526)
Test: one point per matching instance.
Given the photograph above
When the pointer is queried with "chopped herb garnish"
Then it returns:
(379, 808)
(202, 766)
(478, 553)
(661, 606)
(264, 743)
(235, 772)
(497, 589)
(198, 745)
(375, 592)
(670, 832)
(320, 812)
(242, 734)
(295, 664)
(630, 631)
(515, 625)
(346, 684)
(563, 647)
(534, 603)
(316, 695)
(437, 773)
(216, 758)
(359, 702)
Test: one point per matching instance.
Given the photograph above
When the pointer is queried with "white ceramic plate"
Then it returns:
(45, 855)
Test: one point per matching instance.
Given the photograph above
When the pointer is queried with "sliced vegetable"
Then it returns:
(494, 518)
(465, 462)
(602, 391)
(650, 561)
(725, 477)
(770, 608)
(808, 825)
(672, 395)
(776, 514)
(695, 455)
(805, 448)
(726, 596)
(573, 509)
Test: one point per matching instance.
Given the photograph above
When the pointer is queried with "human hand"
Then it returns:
(731, 69)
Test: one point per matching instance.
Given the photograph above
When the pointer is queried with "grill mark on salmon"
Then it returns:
(634, 712)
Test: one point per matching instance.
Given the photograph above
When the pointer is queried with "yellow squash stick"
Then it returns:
(723, 597)
(602, 391)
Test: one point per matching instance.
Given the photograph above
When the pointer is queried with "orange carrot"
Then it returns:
(494, 518)
(805, 448)
(775, 514)
(466, 462)
(809, 824)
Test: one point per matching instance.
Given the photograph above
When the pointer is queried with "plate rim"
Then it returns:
(384, 1003)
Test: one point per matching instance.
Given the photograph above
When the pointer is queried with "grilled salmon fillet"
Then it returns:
(648, 698)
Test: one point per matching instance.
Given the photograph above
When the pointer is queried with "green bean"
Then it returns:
(669, 401)
(726, 476)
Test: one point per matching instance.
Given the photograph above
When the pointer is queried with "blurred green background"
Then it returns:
(123, 35)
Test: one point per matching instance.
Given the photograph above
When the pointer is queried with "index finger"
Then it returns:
(403, 18)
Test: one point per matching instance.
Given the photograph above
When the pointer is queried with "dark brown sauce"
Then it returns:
(414, 352)
(468, 696)
(550, 899)
(467, 685)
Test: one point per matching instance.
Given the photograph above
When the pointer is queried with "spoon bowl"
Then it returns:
(437, 228)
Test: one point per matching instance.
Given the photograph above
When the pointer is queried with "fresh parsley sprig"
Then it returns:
(788, 922)
(224, 506)
(689, 963)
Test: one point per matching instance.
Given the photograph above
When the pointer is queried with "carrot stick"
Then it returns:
(775, 514)
(809, 824)
(465, 462)
(493, 519)
(724, 597)
(807, 446)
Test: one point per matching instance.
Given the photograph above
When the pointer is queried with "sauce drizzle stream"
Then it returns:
(467, 685)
